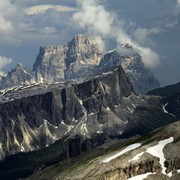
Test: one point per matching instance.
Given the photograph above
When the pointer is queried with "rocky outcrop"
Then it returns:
(150, 166)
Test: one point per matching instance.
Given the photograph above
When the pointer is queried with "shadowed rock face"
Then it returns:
(170, 97)
(103, 105)
(31, 122)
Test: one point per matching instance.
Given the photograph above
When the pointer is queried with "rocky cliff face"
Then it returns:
(72, 60)
(103, 105)
(141, 77)
(83, 109)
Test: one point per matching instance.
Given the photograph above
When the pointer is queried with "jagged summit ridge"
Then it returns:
(20, 75)
(80, 58)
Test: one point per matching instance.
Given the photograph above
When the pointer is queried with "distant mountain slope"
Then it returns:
(170, 98)
(166, 91)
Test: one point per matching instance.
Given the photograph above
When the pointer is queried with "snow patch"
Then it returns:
(91, 114)
(82, 62)
(134, 105)
(99, 132)
(127, 149)
(110, 72)
(111, 51)
(126, 122)
(108, 109)
(130, 110)
(138, 156)
(74, 120)
(178, 171)
(62, 122)
(165, 111)
(22, 148)
(169, 174)
(157, 151)
(81, 102)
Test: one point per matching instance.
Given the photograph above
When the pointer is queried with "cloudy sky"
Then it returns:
(152, 27)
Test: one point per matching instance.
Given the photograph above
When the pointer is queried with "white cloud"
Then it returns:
(96, 20)
(9, 21)
(7, 11)
(6, 26)
(177, 8)
(16, 26)
(33, 10)
(48, 30)
(141, 35)
(4, 61)
(94, 17)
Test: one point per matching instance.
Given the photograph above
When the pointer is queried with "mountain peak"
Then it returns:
(20, 66)
(84, 39)
(57, 63)
(126, 45)
(17, 76)
(141, 77)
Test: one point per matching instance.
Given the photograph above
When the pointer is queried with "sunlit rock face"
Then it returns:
(72, 60)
